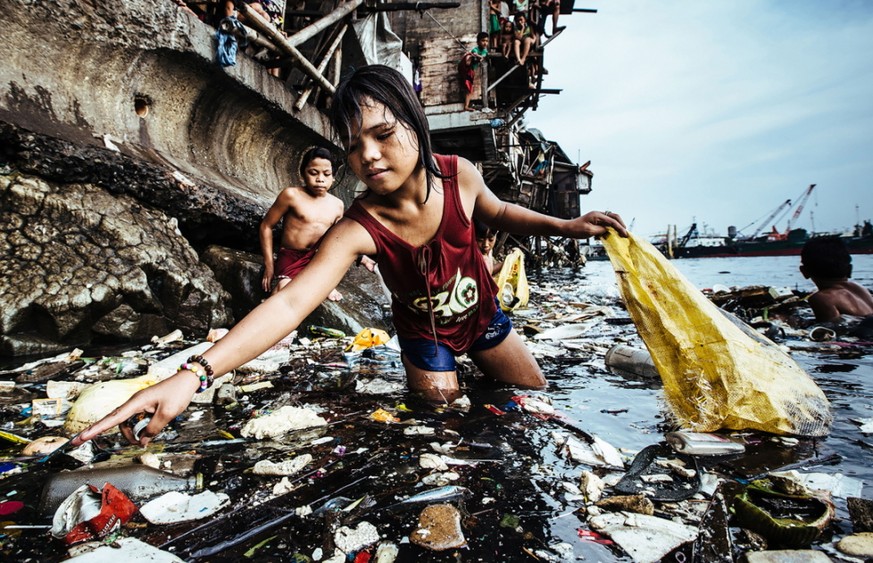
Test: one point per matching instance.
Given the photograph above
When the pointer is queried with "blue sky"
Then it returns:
(717, 111)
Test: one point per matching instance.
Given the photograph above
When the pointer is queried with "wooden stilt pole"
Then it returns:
(329, 19)
(283, 45)
(321, 66)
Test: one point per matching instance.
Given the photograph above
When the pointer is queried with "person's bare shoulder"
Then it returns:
(469, 177)
(289, 195)
(824, 305)
(339, 206)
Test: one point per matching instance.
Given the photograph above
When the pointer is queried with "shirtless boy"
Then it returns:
(306, 213)
(827, 262)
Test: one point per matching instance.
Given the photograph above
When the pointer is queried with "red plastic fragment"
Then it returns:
(115, 510)
(10, 507)
(593, 537)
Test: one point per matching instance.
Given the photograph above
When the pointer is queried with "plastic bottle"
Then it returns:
(699, 443)
(138, 482)
(631, 360)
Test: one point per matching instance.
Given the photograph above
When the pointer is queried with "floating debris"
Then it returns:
(125, 549)
(44, 445)
(435, 495)
(137, 481)
(790, 520)
(174, 507)
(628, 503)
(439, 528)
(861, 511)
(90, 513)
(99, 399)
(282, 421)
(857, 545)
(287, 467)
(645, 538)
(597, 453)
(350, 540)
(525, 495)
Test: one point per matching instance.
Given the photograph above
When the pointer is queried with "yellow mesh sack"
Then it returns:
(512, 289)
(715, 374)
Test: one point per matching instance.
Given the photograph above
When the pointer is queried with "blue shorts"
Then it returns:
(424, 355)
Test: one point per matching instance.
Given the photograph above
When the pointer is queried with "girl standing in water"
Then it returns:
(415, 219)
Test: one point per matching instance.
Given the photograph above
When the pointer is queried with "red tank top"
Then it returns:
(441, 290)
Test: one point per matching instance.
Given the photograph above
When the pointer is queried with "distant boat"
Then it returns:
(769, 245)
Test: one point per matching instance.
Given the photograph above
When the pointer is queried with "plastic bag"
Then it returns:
(512, 289)
(368, 338)
(100, 399)
(715, 373)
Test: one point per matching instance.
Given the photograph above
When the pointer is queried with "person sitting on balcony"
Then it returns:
(827, 262)
(546, 8)
(271, 13)
(267, 9)
(469, 64)
(524, 39)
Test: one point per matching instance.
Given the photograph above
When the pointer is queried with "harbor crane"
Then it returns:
(800, 203)
(782, 207)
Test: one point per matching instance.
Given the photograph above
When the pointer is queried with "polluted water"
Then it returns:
(365, 471)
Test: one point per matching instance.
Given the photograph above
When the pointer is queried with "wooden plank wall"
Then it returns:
(440, 83)
(436, 39)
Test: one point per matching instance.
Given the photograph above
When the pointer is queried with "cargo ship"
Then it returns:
(774, 243)
(790, 245)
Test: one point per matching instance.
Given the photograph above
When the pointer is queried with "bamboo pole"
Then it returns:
(321, 67)
(283, 45)
(314, 29)
(336, 67)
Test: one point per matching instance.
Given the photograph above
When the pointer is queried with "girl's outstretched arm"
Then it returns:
(271, 321)
(513, 218)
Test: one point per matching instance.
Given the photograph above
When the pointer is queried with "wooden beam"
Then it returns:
(301, 101)
(329, 19)
(417, 6)
(282, 44)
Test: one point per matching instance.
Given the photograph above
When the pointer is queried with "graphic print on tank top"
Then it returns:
(442, 289)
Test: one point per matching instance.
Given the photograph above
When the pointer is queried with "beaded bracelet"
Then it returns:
(210, 374)
(198, 359)
(205, 380)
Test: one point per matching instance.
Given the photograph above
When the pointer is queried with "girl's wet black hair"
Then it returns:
(391, 89)
(312, 154)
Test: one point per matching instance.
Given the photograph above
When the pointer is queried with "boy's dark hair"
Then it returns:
(481, 35)
(390, 88)
(312, 154)
(482, 230)
(826, 257)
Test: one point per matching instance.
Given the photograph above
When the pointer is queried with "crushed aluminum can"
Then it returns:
(90, 513)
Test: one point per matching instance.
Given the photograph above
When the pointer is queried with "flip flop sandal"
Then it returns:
(643, 476)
